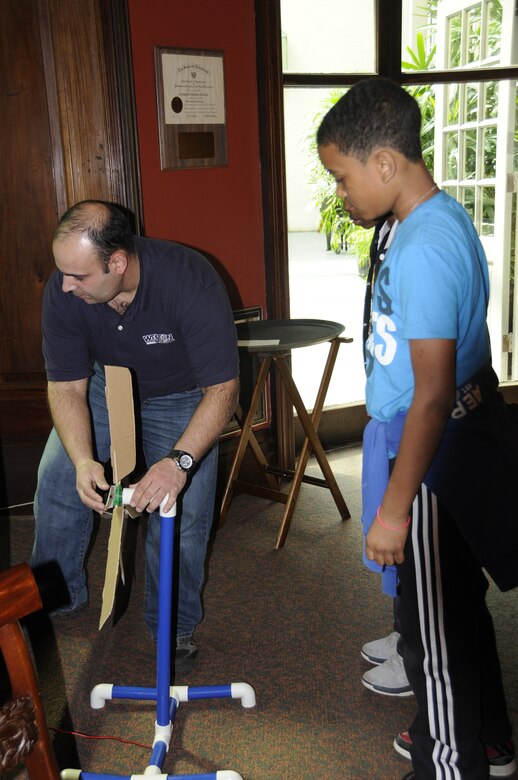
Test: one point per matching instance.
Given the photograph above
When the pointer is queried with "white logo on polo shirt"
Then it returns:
(158, 338)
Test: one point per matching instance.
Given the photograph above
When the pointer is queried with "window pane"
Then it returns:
(453, 104)
(451, 191)
(305, 179)
(452, 156)
(326, 280)
(489, 149)
(418, 36)
(469, 149)
(491, 100)
(331, 36)
(474, 31)
(494, 27)
(479, 35)
(454, 40)
(470, 154)
(468, 200)
(471, 107)
(488, 211)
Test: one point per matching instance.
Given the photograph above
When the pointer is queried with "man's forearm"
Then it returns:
(210, 418)
(69, 409)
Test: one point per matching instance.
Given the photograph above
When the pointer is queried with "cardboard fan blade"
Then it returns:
(112, 564)
(119, 400)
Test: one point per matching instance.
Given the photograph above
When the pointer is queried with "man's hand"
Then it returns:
(206, 425)
(163, 478)
(89, 476)
(71, 416)
(385, 546)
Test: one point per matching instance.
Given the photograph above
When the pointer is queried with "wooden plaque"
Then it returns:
(190, 86)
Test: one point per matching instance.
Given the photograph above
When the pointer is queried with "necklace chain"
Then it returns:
(420, 200)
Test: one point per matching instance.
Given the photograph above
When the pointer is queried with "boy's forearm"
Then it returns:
(433, 364)
(422, 434)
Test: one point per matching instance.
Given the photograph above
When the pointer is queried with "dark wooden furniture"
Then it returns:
(19, 596)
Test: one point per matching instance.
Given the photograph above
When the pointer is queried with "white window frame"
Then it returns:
(497, 246)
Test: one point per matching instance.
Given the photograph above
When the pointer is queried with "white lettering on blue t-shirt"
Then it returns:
(386, 351)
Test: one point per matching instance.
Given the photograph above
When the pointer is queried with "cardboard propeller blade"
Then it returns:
(119, 400)
(112, 564)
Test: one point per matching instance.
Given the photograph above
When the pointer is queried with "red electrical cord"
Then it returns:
(94, 736)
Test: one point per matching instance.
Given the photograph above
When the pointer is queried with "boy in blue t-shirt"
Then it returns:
(436, 472)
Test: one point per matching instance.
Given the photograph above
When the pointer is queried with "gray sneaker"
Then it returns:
(389, 678)
(380, 650)
(185, 653)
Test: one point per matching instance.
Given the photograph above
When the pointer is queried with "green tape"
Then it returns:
(117, 496)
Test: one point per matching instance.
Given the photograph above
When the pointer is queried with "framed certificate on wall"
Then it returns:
(190, 86)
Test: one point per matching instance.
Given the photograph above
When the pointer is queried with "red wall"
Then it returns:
(217, 210)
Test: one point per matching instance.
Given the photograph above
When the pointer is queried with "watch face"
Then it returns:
(185, 461)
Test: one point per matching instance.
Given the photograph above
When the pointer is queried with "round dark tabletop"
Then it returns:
(271, 336)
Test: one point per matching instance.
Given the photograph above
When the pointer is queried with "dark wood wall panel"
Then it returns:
(64, 138)
(92, 165)
(28, 203)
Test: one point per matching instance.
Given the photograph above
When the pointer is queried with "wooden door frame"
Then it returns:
(273, 167)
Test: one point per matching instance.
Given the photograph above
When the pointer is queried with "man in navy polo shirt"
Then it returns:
(161, 310)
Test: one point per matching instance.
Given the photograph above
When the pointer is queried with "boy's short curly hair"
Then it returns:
(374, 113)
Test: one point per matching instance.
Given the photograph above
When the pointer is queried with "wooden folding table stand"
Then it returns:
(311, 443)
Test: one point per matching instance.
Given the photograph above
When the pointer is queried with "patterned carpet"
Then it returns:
(290, 623)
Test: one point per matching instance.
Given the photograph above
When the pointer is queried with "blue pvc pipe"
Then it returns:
(165, 587)
(158, 754)
(211, 776)
(96, 776)
(209, 692)
(129, 692)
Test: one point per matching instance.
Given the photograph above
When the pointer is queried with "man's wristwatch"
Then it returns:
(183, 460)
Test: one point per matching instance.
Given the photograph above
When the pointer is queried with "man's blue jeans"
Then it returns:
(64, 523)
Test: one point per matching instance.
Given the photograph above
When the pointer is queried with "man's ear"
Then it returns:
(118, 262)
(387, 164)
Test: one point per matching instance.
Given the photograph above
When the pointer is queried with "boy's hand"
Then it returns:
(385, 546)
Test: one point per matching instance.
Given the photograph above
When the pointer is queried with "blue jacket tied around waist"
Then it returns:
(474, 475)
